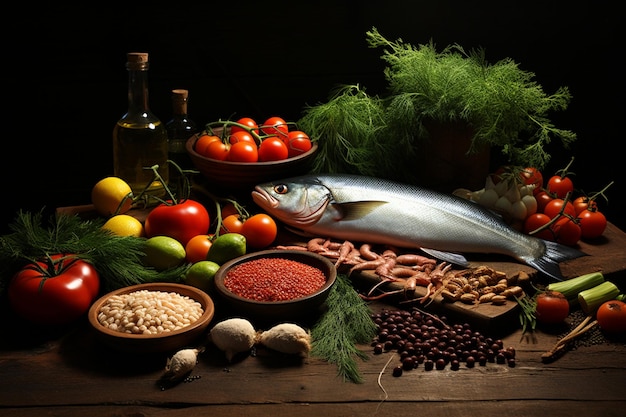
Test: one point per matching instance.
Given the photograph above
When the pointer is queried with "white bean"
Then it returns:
(149, 312)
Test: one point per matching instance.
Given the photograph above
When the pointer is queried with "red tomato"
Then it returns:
(534, 222)
(197, 248)
(592, 223)
(552, 307)
(273, 149)
(553, 208)
(231, 224)
(543, 198)
(247, 122)
(241, 136)
(275, 126)
(260, 231)
(180, 221)
(228, 209)
(532, 176)
(611, 316)
(54, 292)
(298, 143)
(583, 203)
(217, 150)
(560, 185)
(243, 152)
(203, 143)
(566, 231)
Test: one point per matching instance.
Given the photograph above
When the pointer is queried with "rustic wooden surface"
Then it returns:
(67, 372)
(71, 374)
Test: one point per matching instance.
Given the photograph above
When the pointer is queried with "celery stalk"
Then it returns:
(571, 287)
(592, 298)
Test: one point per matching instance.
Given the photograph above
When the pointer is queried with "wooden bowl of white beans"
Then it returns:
(153, 317)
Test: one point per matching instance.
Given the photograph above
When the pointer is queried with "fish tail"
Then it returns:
(555, 253)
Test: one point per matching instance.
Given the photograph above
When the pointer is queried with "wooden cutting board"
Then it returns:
(607, 255)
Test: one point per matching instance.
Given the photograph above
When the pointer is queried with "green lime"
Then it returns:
(226, 247)
(201, 274)
(163, 252)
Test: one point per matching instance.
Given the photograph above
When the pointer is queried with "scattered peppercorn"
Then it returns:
(423, 338)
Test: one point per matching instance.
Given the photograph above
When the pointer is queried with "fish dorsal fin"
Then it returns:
(453, 258)
(355, 210)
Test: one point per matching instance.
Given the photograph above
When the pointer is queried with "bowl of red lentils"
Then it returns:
(276, 285)
(152, 317)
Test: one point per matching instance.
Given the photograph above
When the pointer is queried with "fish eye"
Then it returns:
(281, 189)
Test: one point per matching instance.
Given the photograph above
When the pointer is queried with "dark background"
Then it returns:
(66, 82)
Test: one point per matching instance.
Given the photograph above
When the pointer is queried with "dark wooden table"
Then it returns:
(68, 372)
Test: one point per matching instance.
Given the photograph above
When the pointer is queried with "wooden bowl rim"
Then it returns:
(186, 290)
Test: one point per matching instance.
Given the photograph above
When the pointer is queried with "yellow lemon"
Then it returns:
(124, 225)
(108, 194)
(163, 252)
(201, 274)
(226, 247)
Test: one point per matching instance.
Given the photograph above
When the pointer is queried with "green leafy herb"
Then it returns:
(500, 104)
(347, 323)
(117, 259)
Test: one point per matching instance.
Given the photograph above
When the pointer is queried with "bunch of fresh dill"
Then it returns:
(117, 259)
(346, 323)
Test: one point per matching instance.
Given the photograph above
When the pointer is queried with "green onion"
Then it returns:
(592, 298)
(571, 287)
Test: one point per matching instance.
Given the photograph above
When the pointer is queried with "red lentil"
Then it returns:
(274, 279)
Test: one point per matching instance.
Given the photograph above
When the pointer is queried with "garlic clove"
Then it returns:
(233, 336)
(287, 338)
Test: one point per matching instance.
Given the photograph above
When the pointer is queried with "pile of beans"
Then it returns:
(424, 339)
(149, 312)
(274, 279)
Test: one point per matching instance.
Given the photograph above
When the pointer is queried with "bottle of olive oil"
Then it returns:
(180, 128)
(139, 137)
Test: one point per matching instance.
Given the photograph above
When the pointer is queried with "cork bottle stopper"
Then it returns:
(180, 94)
(137, 57)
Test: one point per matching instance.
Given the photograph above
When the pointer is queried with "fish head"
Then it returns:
(298, 202)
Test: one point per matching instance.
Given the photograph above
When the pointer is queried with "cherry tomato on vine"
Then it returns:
(197, 248)
(552, 307)
(246, 121)
(54, 292)
(203, 142)
(298, 143)
(217, 150)
(553, 208)
(543, 198)
(534, 222)
(275, 126)
(243, 152)
(260, 231)
(583, 203)
(231, 224)
(566, 231)
(228, 209)
(560, 186)
(273, 149)
(611, 316)
(532, 176)
(241, 136)
(592, 223)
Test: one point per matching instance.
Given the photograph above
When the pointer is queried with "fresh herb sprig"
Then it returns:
(347, 323)
(117, 259)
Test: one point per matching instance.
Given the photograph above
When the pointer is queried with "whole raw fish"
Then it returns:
(373, 210)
